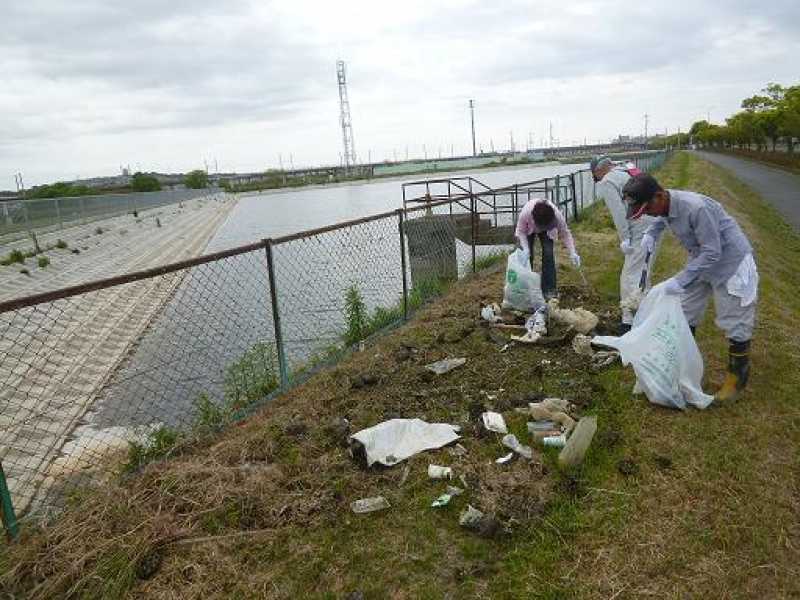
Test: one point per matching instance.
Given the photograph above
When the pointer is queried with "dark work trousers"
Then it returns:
(548, 263)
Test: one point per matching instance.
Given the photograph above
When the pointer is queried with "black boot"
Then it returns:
(738, 372)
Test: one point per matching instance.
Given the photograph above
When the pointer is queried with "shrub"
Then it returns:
(157, 445)
(61, 244)
(43, 262)
(251, 377)
(98, 231)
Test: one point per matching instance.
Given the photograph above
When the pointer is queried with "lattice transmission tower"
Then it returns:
(349, 156)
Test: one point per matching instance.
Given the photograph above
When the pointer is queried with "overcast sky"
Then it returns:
(89, 85)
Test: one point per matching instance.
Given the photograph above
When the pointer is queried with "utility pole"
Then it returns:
(511, 138)
(491, 144)
(291, 161)
(280, 160)
(551, 134)
(646, 117)
(452, 152)
(472, 118)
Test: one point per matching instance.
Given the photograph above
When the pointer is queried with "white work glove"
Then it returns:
(626, 247)
(576, 260)
(648, 243)
(672, 287)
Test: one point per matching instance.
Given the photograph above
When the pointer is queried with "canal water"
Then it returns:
(221, 310)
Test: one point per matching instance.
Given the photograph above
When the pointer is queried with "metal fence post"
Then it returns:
(7, 508)
(574, 196)
(400, 229)
(276, 316)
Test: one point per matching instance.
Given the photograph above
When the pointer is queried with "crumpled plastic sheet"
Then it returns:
(395, 440)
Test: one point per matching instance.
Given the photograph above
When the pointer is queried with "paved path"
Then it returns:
(778, 187)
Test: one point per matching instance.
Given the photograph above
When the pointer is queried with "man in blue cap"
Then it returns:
(720, 264)
(610, 179)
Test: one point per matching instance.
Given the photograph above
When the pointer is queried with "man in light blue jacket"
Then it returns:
(720, 264)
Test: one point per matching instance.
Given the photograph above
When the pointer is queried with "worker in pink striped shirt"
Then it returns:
(541, 218)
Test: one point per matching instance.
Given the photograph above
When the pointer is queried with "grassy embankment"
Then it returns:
(709, 505)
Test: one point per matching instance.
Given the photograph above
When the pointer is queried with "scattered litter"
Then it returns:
(457, 450)
(506, 347)
(395, 440)
(463, 479)
(578, 443)
(490, 313)
(511, 442)
(439, 472)
(582, 320)
(551, 409)
(537, 322)
(582, 344)
(603, 359)
(404, 476)
(541, 426)
(530, 337)
(504, 459)
(556, 441)
(453, 490)
(539, 436)
(440, 367)
(368, 505)
(474, 520)
(494, 422)
(470, 518)
(442, 500)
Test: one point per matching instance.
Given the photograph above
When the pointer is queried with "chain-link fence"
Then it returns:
(105, 376)
(50, 214)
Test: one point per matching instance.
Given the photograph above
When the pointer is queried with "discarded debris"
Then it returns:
(556, 441)
(603, 359)
(439, 472)
(453, 490)
(530, 337)
(582, 344)
(457, 450)
(505, 459)
(368, 505)
(490, 313)
(475, 520)
(470, 518)
(440, 367)
(541, 426)
(511, 442)
(537, 322)
(582, 320)
(406, 472)
(395, 440)
(494, 422)
(578, 443)
(442, 500)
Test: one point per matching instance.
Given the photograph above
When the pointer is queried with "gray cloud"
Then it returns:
(88, 72)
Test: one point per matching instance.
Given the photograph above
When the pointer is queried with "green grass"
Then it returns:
(42, 262)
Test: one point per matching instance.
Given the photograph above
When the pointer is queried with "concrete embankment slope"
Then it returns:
(55, 357)
(778, 187)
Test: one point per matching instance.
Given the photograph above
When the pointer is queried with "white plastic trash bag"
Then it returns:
(664, 355)
(395, 440)
(523, 287)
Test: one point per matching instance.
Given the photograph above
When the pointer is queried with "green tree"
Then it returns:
(196, 179)
(144, 183)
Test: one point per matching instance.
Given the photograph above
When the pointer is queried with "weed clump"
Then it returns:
(43, 262)
(61, 244)
(98, 231)
(15, 256)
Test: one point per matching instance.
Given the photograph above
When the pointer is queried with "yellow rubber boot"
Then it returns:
(738, 372)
